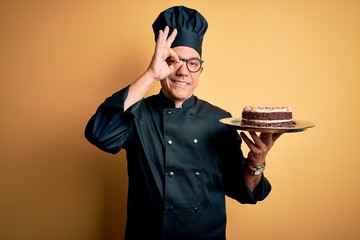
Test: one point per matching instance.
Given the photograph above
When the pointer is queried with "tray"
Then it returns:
(299, 126)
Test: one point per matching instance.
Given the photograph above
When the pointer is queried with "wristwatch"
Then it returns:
(257, 170)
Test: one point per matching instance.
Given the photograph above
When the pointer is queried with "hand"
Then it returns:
(158, 66)
(260, 146)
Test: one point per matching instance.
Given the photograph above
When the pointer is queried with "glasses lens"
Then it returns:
(194, 65)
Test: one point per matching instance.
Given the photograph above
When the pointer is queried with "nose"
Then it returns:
(182, 70)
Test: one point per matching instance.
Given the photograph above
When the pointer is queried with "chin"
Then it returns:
(181, 96)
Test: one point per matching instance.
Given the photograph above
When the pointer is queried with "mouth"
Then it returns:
(178, 82)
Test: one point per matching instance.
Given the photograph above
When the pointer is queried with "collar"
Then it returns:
(165, 102)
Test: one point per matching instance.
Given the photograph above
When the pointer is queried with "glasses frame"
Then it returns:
(187, 63)
(186, 60)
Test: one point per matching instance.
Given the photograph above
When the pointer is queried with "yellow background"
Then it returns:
(60, 59)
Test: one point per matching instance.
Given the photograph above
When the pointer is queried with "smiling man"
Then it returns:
(182, 161)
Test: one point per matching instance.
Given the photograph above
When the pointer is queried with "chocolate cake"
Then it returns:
(277, 117)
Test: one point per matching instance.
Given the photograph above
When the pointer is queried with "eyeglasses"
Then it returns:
(192, 64)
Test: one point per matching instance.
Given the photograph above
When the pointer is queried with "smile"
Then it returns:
(180, 82)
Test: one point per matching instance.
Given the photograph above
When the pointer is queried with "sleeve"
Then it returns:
(109, 127)
(233, 176)
(245, 195)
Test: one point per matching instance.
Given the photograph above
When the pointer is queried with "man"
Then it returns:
(181, 161)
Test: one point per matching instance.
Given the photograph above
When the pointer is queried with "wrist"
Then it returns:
(254, 168)
(150, 75)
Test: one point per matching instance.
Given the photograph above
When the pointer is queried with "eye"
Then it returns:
(194, 63)
(170, 61)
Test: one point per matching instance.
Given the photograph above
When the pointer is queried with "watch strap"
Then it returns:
(256, 170)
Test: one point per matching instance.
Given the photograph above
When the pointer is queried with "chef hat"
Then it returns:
(190, 24)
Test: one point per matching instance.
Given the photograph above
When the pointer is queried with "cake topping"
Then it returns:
(267, 109)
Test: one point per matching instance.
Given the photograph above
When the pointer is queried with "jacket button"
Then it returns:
(171, 174)
(195, 140)
(170, 141)
(168, 112)
(170, 208)
(196, 209)
(197, 174)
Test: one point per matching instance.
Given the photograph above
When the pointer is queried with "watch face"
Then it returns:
(258, 171)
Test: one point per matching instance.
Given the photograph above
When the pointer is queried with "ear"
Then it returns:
(201, 70)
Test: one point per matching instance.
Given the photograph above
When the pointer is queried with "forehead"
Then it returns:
(186, 52)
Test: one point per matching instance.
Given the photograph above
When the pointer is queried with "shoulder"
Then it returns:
(209, 108)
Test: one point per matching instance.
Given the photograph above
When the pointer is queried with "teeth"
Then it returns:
(182, 83)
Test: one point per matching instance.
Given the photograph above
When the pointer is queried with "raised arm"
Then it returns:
(158, 68)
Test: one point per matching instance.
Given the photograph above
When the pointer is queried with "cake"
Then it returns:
(278, 117)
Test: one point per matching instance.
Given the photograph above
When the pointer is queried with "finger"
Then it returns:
(247, 140)
(174, 55)
(174, 67)
(167, 29)
(266, 138)
(269, 138)
(172, 37)
(166, 32)
(160, 36)
(257, 140)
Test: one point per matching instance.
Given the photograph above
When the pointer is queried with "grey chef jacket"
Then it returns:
(181, 163)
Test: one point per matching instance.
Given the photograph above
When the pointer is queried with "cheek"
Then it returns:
(164, 82)
(195, 80)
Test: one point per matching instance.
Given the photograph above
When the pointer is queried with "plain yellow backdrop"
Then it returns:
(60, 59)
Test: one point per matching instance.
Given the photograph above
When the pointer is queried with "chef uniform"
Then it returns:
(181, 161)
